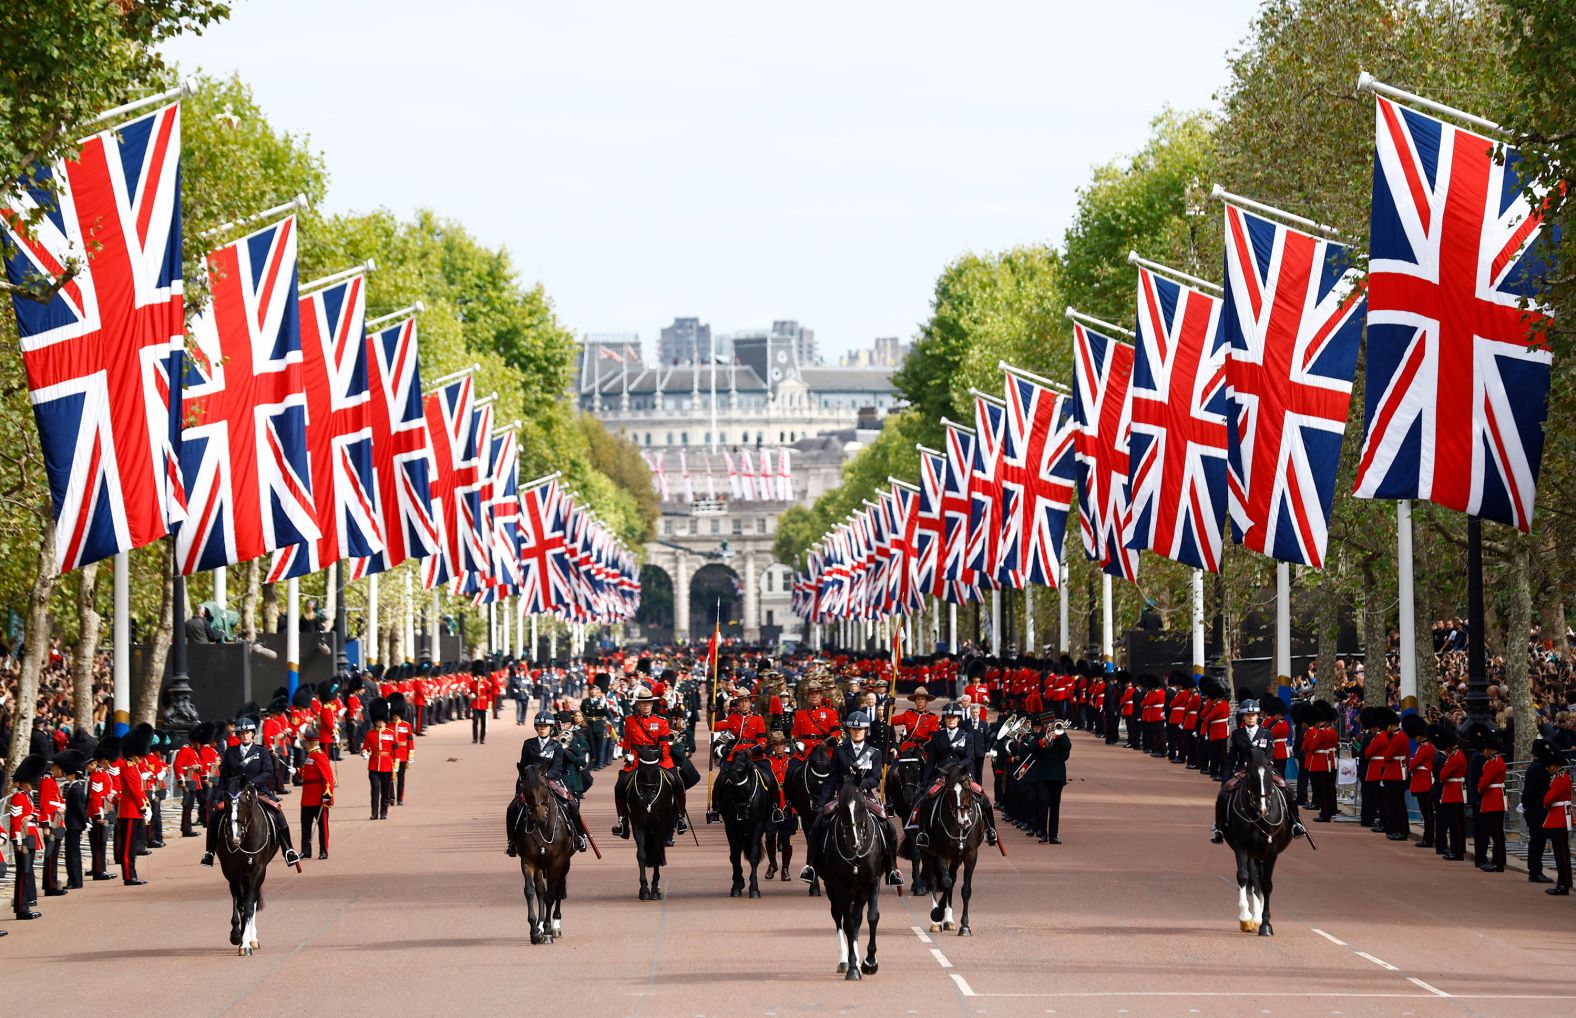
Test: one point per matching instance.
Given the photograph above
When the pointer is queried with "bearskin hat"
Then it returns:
(1273, 706)
(302, 698)
(1384, 717)
(397, 704)
(1214, 688)
(32, 767)
(1444, 735)
(1545, 753)
(1414, 726)
(138, 741)
(71, 761)
(378, 710)
(1326, 711)
(109, 748)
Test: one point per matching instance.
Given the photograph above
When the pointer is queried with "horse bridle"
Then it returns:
(863, 831)
(1273, 795)
(647, 800)
(960, 832)
(235, 837)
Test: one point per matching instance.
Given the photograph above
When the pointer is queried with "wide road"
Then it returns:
(1134, 915)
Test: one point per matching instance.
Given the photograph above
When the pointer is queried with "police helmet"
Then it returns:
(245, 725)
(953, 709)
(1248, 707)
(544, 718)
(858, 719)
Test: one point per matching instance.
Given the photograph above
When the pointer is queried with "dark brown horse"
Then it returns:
(852, 862)
(544, 839)
(246, 845)
(951, 827)
(804, 785)
(652, 804)
(745, 795)
(1258, 829)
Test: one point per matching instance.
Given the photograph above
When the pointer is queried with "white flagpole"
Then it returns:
(1063, 611)
(188, 86)
(297, 204)
(408, 631)
(1028, 620)
(371, 653)
(533, 639)
(1282, 628)
(1107, 637)
(221, 590)
(293, 631)
(1198, 622)
(492, 629)
(952, 627)
(1407, 646)
(121, 638)
(433, 630)
(995, 622)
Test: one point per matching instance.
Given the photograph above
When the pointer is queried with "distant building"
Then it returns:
(803, 340)
(885, 352)
(686, 341)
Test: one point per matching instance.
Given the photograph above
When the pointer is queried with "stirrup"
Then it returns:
(807, 874)
(682, 826)
(1216, 837)
(207, 859)
(581, 843)
(922, 840)
(990, 836)
(778, 816)
(292, 857)
(1298, 830)
(510, 852)
(713, 816)
(895, 878)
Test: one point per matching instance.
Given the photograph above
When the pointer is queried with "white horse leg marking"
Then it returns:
(1258, 906)
(946, 920)
(1244, 912)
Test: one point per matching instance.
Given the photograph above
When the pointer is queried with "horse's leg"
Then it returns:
(851, 916)
(249, 937)
(938, 894)
(528, 871)
(837, 924)
(558, 901)
(545, 897)
(235, 913)
(735, 858)
(1244, 893)
(771, 856)
(1266, 884)
(968, 890)
(950, 879)
(756, 836)
(869, 965)
(657, 839)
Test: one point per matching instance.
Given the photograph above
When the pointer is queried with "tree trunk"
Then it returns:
(1553, 599)
(271, 608)
(1518, 621)
(249, 605)
(1376, 640)
(35, 649)
(145, 697)
(90, 625)
(1329, 623)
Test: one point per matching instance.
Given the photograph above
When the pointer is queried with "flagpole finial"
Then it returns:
(1132, 258)
(1216, 193)
(1365, 82)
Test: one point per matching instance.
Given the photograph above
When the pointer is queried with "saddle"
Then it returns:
(872, 804)
(940, 783)
(1232, 783)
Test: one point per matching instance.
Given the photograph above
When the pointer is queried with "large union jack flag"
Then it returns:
(930, 531)
(401, 450)
(1458, 373)
(456, 475)
(544, 559)
(1177, 472)
(477, 536)
(339, 440)
(1293, 320)
(984, 531)
(503, 514)
(244, 450)
(955, 509)
(102, 355)
(1037, 466)
(902, 509)
(1102, 379)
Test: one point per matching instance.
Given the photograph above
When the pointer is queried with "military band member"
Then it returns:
(1046, 776)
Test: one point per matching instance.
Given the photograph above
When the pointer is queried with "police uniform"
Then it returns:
(551, 760)
(251, 765)
(862, 762)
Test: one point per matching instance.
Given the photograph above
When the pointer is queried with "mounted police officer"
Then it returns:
(550, 758)
(954, 744)
(856, 757)
(247, 763)
(1250, 736)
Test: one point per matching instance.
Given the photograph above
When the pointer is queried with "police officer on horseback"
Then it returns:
(856, 757)
(954, 744)
(247, 763)
(1250, 736)
(550, 758)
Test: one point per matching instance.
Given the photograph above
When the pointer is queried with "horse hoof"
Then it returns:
(842, 967)
(645, 895)
(536, 938)
(935, 927)
(919, 889)
(737, 892)
(755, 892)
(771, 871)
(949, 926)
(936, 913)
(853, 973)
(869, 967)
(547, 940)
(558, 931)
(815, 892)
(255, 945)
(235, 938)
(1248, 926)
(964, 931)
(244, 952)
(1265, 930)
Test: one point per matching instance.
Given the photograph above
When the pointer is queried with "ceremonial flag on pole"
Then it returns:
(244, 447)
(955, 505)
(733, 476)
(450, 418)
(401, 450)
(904, 594)
(660, 475)
(1037, 464)
(1458, 366)
(984, 533)
(472, 502)
(1102, 377)
(1178, 447)
(930, 529)
(503, 514)
(103, 353)
(746, 476)
(784, 477)
(711, 483)
(339, 439)
(544, 560)
(1293, 320)
(684, 475)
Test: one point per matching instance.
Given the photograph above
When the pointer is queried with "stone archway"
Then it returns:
(655, 614)
(715, 593)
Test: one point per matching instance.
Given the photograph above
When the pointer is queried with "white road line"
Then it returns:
(935, 952)
(1224, 994)
(923, 937)
(963, 986)
(1377, 961)
(1431, 989)
(1326, 936)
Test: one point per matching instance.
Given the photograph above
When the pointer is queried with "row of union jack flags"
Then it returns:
(289, 431)
(741, 477)
(1231, 403)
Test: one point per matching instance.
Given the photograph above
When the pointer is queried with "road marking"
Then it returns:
(935, 952)
(963, 986)
(1377, 961)
(1253, 994)
(1326, 936)
(1431, 989)
(923, 938)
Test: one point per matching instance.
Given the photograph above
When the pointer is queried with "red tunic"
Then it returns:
(646, 731)
(404, 740)
(133, 799)
(750, 729)
(977, 693)
(1422, 769)
(1453, 776)
(1321, 745)
(1558, 800)
(187, 763)
(101, 790)
(378, 747)
(1154, 706)
(1491, 786)
(1398, 752)
(1281, 732)
(317, 778)
(21, 822)
(811, 726)
(481, 694)
(920, 725)
(51, 804)
(1127, 702)
(1219, 721)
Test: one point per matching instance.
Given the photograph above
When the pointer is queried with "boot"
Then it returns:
(787, 859)
(282, 832)
(621, 828)
(680, 805)
(1215, 837)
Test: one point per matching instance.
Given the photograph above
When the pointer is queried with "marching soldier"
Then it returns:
(594, 708)
(404, 744)
(378, 750)
(481, 699)
(317, 793)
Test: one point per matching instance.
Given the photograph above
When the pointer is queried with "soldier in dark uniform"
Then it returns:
(1534, 786)
(594, 709)
(1044, 778)
(854, 756)
(1249, 736)
(247, 763)
(954, 744)
(548, 754)
(73, 766)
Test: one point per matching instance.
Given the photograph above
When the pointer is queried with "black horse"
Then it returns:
(853, 860)
(804, 787)
(1258, 828)
(544, 839)
(246, 846)
(650, 799)
(745, 795)
(952, 825)
(904, 789)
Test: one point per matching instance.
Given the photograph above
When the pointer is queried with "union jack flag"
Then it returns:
(955, 507)
(339, 440)
(450, 415)
(503, 514)
(1458, 370)
(244, 448)
(984, 533)
(103, 354)
(930, 532)
(544, 560)
(401, 450)
(1037, 466)
(1102, 377)
(902, 509)
(1293, 320)
(1178, 444)
(477, 537)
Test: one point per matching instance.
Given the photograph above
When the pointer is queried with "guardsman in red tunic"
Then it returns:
(52, 828)
(377, 748)
(21, 829)
(1217, 729)
(1557, 821)
(101, 804)
(481, 700)
(1176, 713)
(1490, 826)
(1321, 746)
(1393, 779)
(132, 809)
(317, 794)
(646, 730)
(1420, 773)
(1152, 714)
(404, 744)
(1452, 791)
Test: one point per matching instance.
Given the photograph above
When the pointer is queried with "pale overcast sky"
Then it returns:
(737, 161)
